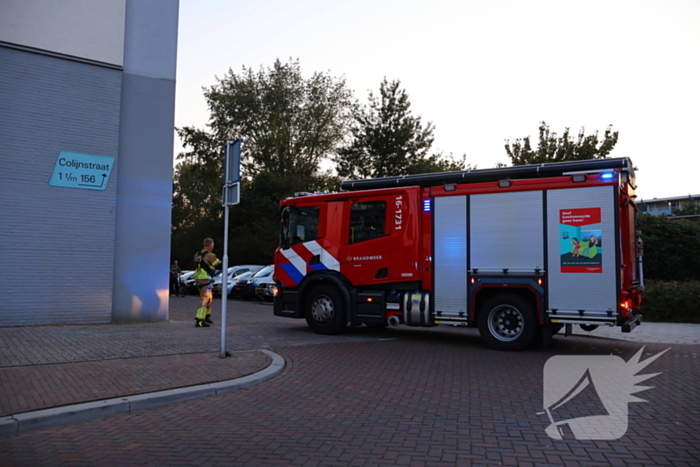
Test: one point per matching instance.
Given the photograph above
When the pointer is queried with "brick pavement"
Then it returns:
(661, 333)
(54, 366)
(28, 388)
(422, 398)
(408, 396)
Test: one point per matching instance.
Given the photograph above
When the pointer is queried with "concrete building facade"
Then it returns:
(666, 206)
(84, 81)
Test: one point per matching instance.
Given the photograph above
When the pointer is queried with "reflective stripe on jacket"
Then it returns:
(206, 261)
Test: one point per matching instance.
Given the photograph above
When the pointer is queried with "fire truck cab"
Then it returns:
(519, 252)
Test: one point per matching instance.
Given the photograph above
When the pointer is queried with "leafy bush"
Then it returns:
(671, 302)
(671, 248)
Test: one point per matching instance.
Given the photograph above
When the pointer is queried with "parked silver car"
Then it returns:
(234, 272)
(246, 289)
(266, 289)
(239, 285)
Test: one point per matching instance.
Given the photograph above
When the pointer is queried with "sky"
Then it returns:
(482, 71)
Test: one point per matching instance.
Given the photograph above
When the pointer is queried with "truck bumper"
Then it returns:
(631, 323)
(286, 304)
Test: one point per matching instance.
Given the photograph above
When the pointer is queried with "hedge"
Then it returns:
(671, 301)
(671, 248)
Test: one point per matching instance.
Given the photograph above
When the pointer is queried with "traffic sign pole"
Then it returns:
(231, 195)
(224, 286)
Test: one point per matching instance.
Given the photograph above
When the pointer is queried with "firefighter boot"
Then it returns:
(201, 318)
(208, 319)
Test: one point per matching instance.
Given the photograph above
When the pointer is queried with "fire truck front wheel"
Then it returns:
(507, 322)
(325, 310)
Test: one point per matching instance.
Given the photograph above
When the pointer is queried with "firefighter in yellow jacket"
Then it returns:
(206, 261)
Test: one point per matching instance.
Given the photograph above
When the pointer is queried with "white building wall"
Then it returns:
(58, 242)
(144, 199)
(88, 29)
(93, 77)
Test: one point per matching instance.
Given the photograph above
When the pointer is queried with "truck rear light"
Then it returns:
(540, 281)
(626, 304)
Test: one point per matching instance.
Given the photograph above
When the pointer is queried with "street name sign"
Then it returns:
(83, 171)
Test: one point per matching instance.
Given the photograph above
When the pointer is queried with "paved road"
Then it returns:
(404, 396)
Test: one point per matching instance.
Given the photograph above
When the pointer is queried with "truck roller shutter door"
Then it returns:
(450, 256)
(506, 232)
(586, 280)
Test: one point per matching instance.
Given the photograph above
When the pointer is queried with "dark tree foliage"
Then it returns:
(671, 248)
(689, 208)
(288, 124)
(197, 184)
(388, 140)
(254, 228)
(554, 148)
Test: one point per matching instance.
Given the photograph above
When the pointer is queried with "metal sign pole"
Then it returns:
(224, 286)
(231, 196)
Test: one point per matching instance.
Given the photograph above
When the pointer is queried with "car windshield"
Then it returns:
(267, 270)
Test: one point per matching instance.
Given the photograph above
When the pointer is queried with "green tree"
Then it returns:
(554, 148)
(689, 208)
(197, 180)
(388, 140)
(289, 124)
(196, 212)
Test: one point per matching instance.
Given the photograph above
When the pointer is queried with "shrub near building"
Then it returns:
(672, 269)
(672, 302)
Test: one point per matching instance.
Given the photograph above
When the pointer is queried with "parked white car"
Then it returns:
(187, 279)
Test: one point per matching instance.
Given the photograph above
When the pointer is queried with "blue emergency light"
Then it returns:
(607, 176)
(426, 205)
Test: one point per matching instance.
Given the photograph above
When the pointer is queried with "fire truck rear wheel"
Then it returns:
(325, 310)
(507, 322)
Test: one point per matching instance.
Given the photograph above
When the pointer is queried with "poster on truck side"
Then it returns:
(581, 240)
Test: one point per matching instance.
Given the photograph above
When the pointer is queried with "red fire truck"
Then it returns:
(521, 252)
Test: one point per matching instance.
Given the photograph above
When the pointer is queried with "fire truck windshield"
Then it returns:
(299, 225)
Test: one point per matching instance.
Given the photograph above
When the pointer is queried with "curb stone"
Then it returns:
(46, 418)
